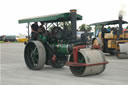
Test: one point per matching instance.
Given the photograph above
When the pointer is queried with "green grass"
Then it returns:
(9, 41)
(1, 41)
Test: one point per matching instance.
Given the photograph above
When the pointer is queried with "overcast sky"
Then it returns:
(91, 10)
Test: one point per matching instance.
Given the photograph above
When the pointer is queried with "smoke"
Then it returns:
(122, 11)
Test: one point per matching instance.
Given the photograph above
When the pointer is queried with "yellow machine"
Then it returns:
(22, 40)
(114, 41)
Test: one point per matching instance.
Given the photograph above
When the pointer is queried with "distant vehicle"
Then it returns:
(2, 37)
(11, 38)
(22, 39)
(88, 38)
(112, 40)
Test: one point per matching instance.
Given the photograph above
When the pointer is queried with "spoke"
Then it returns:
(34, 49)
(35, 59)
(32, 59)
(81, 69)
(81, 60)
(35, 55)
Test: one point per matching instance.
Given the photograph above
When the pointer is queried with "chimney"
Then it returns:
(120, 24)
(73, 23)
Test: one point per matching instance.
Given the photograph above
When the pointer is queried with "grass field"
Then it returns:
(10, 42)
(1, 41)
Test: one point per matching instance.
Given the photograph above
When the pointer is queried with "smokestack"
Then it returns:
(73, 23)
(120, 24)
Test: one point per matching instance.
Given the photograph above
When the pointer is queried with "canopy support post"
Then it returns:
(95, 30)
(28, 31)
(64, 26)
(57, 24)
(46, 26)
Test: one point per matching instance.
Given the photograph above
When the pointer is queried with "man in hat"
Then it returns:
(34, 33)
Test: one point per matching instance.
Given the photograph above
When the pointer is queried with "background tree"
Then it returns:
(127, 27)
(98, 27)
(85, 27)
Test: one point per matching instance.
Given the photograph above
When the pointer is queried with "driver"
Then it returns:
(41, 29)
(34, 28)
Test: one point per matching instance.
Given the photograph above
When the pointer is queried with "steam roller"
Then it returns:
(62, 46)
(122, 52)
(112, 40)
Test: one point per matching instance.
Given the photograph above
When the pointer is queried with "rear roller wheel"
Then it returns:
(118, 54)
(122, 52)
(35, 55)
(121, 56)
(88, 56)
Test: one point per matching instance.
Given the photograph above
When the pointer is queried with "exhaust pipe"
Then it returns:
(73, 23)
(120, 24)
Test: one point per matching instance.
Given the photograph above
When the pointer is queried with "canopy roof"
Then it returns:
(109, 22)
(50, 18)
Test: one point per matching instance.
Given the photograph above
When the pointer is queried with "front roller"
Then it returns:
(90, 62)
(122, 53)
(35, 55)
